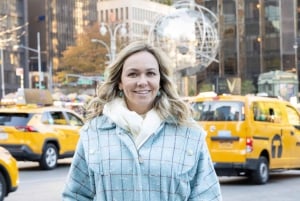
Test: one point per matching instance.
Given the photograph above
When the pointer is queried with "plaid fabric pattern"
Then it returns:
(173, 164)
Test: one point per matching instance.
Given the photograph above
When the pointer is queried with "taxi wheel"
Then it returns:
(261, 174)
(2, 187)
(49, 157)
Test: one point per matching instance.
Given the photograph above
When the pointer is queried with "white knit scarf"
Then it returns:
(140, 128)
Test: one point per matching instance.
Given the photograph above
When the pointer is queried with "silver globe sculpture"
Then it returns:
(189, 35)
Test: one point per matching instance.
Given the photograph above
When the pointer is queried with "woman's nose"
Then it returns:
(142, 80)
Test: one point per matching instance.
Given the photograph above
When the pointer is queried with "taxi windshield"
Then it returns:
(218, 111)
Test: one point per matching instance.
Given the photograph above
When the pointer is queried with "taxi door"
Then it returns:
(68, 134)
(74, 125)
(294, 121)
(279, 134)
(272, 132)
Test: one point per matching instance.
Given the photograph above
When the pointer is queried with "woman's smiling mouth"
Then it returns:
(143, 92)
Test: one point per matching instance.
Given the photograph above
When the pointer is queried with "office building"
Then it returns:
(13, 28)
(138, 15)
(256, 36)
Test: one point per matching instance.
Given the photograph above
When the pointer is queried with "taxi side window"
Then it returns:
(58, 118)
(197, 110)
(46, 118)
(275, 113)
(74, 121)
(259, 112)
(266, 112)
(293, 116)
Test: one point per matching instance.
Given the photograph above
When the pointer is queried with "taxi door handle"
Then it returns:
(292, 133)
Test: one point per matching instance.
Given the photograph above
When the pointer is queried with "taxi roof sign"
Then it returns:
(34, 96)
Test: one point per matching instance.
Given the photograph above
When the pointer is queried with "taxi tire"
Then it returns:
(261, 174)
(49, 157)
(3, 187)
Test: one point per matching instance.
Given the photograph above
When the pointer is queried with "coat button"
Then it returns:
(190, 152)
(141, 160)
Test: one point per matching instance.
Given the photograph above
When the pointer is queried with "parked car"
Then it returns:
(42, 134)
(9, 173)
(250, 135)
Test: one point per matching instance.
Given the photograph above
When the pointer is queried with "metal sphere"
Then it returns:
(189, 35)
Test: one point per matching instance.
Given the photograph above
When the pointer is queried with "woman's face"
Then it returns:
(140, 81)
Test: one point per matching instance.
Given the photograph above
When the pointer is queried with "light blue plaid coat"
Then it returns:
(173, 164)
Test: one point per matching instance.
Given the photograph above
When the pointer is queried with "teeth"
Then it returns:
(142, 92)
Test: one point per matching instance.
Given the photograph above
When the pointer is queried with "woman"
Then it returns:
(139, 142)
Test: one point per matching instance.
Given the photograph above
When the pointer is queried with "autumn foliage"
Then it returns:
(85, 57)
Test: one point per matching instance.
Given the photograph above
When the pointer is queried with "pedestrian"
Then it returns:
(139, 142)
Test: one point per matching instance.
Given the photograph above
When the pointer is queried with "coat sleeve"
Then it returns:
(205, 186)
(80, 183)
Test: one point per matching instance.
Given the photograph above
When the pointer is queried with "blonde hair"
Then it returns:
(169, 105)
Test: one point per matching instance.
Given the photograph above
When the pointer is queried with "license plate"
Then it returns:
(225, 145)
(3, 136)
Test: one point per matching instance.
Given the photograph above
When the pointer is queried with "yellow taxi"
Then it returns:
(39, 133)
(250, 135)
(9, 173)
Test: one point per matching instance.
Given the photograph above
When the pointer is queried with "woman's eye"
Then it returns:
(132, 75)
(151, 74)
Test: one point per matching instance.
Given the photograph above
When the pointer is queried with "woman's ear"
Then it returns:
(120, 86)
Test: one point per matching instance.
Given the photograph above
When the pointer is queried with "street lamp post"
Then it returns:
(2, 73)
(296, 56)
(38, 51)
(112, 48)
(94, 40)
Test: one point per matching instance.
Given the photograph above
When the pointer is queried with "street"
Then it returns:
(37, 185)
(282, 186)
